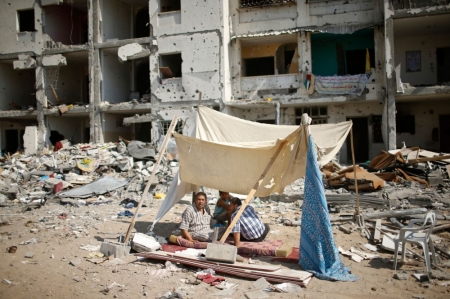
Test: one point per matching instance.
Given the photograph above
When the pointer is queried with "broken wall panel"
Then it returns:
(117, 77)
(338, 7)
(12, 131)
(16, 86)
(66, 24)
(71, 127)
(285, 13)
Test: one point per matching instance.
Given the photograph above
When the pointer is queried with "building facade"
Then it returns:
(97, 70)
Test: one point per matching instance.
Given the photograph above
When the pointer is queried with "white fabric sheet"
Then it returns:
(230, 153)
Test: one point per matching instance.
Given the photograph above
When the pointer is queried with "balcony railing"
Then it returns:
(410, 4)
(259, 3)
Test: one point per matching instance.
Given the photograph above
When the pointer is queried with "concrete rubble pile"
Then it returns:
(83, 174)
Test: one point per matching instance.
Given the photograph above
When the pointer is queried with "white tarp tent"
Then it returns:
(230, 153)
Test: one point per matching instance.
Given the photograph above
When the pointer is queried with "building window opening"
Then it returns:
(67, 24)
(178, 128)
(25, 20)
(405, 124)
(170, 65)
(170, 5)
(342, 54)
(287, 59)
(319, 115)
(443, 65)
(261, 66)
(142, 23)
(376, 129)
(353, 60)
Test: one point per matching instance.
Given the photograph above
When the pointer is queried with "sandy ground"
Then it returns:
(50, 274)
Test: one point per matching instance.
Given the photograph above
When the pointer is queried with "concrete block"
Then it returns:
(132, 51)
(221, 253)
(119, 250)
(145, 243)
(54, 60)
(24, 57)
(26, 64)
(30, 140)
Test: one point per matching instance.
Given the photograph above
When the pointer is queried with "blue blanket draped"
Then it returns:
(318, 253)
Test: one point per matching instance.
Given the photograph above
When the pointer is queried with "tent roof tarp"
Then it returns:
(230, 153)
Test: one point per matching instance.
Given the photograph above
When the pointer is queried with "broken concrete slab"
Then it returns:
(25, 64)
(54, 60)
(132, 51)
(30, 139)
(144, 243)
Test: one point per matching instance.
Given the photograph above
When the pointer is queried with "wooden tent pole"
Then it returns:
(354, 172)
(252, 192)
(152, 176)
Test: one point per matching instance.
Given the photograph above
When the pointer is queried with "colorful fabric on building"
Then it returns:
(352, 84)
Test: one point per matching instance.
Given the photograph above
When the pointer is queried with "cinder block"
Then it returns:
(119, 250)
(221, 253)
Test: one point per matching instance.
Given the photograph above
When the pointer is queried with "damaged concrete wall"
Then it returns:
(426, 116)
(11, 39)
(427, 46)
(70, 127)
(113, 128)
(71, 85)
(340, 112)
(116, 20)
(64, 24)
(116, 77)
(16, 86)
(198, 73)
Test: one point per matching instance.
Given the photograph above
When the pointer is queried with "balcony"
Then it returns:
(412, 4)
(272, 82)
(169, 18)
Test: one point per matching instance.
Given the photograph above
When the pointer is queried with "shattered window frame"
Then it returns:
(318, 114)
(178, 128)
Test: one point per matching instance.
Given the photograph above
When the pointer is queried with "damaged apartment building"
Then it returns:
(98, 70)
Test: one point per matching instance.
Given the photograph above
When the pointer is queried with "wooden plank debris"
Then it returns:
(377, 233)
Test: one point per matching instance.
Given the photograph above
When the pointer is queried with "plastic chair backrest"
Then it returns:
(430, 217)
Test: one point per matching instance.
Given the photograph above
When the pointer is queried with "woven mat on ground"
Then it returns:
(266, 248)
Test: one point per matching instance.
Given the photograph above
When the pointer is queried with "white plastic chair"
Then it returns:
(417, 236)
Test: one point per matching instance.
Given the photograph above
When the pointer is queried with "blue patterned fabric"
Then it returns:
(318, 253)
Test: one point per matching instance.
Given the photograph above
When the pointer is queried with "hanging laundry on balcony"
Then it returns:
(352, 84)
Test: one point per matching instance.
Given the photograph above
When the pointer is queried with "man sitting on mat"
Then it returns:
(249, 227)
(222, 211)
(195, 221)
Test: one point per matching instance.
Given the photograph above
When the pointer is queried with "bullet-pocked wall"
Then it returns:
(123, 19)
(200, 67)
(17, 87)
(14, 38)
